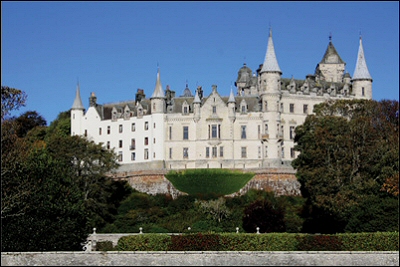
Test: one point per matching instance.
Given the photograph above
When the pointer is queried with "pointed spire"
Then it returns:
(231, 97)
(361, 70)
(78, 101)
(158, 91)
(270, 62)
(197, 98)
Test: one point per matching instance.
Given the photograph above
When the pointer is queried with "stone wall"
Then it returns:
(201, 258)
(281, 181)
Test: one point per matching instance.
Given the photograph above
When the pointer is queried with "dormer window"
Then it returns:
(243, 106)
(185, 108)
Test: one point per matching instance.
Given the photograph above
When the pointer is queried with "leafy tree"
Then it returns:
(216, 208)
(348, 149)
(11, 99)
(27, 121)
(267, 214)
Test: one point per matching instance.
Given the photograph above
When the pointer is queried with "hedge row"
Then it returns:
(379, 241)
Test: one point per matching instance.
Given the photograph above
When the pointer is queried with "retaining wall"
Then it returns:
(201, 258)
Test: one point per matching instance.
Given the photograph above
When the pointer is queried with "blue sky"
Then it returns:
(113, 48)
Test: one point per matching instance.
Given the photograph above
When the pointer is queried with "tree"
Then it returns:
(215, 207)
(11, 99)
(27, 121)
(267, 214)
(348, 149)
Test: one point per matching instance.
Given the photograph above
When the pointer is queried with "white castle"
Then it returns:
(252, 129)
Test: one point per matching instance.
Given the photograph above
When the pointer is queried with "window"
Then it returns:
(305, 109)
(291, 108)
(265, 105)
(259, 152)
(120, 156)
(292, 153)
(282, 107)
(108, 129)
(244, 152)
(221, 151)
(185, 152)
(283, 152)
(85, 132)
(266, 152)
(170, 132)
(214, 152)
(100, 131)
(243, 132)
(214, 131)
(214, 109)
(291, 132)
(133, 127)
(185, 110)
(146, 141)
(133, 156)
(154, 140)
(185, 132)
(266, 128)
(363, 91)
(120, 143)
(259, 131)
(133, 144)
(146, 125)
(207, 152)
(108, 144)
(243, 109)
(146, 153)
(170, 152)
(120, 128)
(154, 125)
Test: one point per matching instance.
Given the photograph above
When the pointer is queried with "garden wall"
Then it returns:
(200, 258)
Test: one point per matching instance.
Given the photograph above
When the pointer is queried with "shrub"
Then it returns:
(319, 243)
(104, 246)
(144, 242)
(195, 242)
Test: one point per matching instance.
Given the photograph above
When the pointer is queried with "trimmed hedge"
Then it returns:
(205, 182)
(379, 241)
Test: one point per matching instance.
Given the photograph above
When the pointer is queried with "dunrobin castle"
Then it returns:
(252, 128)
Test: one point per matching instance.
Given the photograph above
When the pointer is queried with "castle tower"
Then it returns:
(270, 92)
(231, 107)
(158, 98)
(331, 68)
(77, 112)
(196, 107)
(362, 80)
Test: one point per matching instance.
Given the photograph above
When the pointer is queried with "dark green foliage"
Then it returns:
(27, 121)
(378, 241)
(267, 214)
(206, 182)
(346, 159)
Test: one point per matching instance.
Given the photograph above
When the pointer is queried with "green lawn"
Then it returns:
(209, 181)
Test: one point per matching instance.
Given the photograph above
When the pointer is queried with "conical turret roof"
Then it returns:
(77, 101)
(270, 62)
(361, 70)
(158, 91)
(231, 97)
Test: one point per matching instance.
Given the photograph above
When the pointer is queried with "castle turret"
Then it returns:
(158, 99)
(77, 112)
(331, 68)
(270, 92)
(231, 107)
(362, 80)
(196, 106)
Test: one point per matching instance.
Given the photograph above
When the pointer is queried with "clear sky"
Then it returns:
(113, 48)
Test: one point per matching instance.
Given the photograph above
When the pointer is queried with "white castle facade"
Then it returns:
(252, 129)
